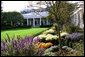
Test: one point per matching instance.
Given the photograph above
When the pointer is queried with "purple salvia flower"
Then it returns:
(2, 46)
(15, 44)
(74, 36)
(30, 40)
(41, 51)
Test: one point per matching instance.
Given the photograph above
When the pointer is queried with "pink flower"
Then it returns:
(36, 39)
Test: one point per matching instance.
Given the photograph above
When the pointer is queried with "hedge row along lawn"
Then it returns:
(22, 32)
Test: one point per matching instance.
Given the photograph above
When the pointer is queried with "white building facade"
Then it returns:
(37, 18)
(78, 16)
(34, 18)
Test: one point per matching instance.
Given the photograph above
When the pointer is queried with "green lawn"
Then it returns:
(22, 32)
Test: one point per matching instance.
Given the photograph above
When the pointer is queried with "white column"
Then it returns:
(40, 20)
(74, 19)
(47, 21)
(33, 22)
(30, 22)
(22, 24)
(81, 20)
(27, 22)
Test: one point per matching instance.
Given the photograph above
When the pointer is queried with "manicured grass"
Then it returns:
(21, 31)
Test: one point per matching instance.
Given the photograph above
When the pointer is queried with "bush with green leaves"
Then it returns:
(70, 28)
(51, 37)
(49, 54)
(11, 20)
(52, 49)
(65, 51)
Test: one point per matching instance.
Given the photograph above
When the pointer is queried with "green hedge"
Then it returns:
(11, 27)
(45, 25)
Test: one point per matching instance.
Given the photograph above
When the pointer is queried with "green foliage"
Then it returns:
(70, 28)
(45, 26)
(49, 54)
(65, 51)
(52, 49)
(60, 11)
(79, 46)
(10, 19)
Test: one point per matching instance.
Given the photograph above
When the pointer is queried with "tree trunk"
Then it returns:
(58, 30)
(59, 39)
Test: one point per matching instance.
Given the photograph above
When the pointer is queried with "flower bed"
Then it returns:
(42, 45)
(21, 47)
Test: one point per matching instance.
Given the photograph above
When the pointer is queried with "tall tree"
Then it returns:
(60, 12)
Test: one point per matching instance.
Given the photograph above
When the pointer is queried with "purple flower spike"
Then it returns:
(30, 40)
(15, 44)
(74, 36)
(2, 46)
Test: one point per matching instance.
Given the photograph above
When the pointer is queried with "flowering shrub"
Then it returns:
(2, 46)
(51, 37)
(48, 37)
(50, 31)
(36, 39)
(64, 34)
(21, 47)
(44, 45)
(53, 28)
(74, 36)
(65, 51)
(42, 36)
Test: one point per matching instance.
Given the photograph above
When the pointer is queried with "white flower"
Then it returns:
(64, 33)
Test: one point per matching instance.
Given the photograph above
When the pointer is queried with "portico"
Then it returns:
(37, 22)
(34, 19)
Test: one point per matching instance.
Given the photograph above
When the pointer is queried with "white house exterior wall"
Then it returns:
(77, 17)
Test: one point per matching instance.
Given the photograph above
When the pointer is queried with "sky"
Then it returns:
(16, 5)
